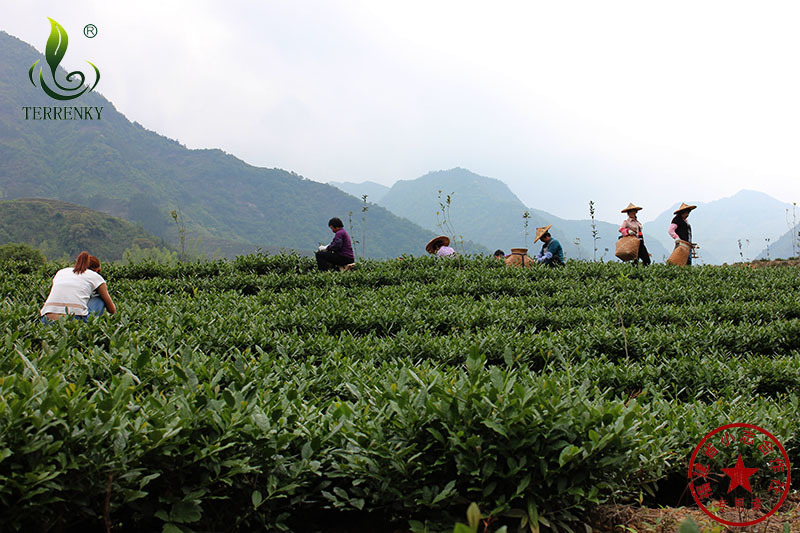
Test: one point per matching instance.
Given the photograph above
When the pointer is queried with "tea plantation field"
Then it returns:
(259, 394)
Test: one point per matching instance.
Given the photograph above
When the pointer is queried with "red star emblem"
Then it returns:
(740, 475)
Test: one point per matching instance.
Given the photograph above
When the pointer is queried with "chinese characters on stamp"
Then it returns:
(739, 474)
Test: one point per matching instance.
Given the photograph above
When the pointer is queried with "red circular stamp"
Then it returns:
(739, 474)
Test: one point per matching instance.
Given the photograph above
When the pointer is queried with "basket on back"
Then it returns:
(627, 248)
(680, 255)
(519, 258)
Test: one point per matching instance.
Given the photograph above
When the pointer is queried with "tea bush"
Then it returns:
(258, 393)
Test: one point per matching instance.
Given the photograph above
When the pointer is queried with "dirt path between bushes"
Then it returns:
(629, 519)
(769, 264)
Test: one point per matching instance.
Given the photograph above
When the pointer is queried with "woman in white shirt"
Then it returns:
(73, 291)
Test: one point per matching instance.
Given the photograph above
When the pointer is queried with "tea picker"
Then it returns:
(681, 231)
(630, 245)
(552, 254)
(440, 247)
(78, 292)
(339, 253)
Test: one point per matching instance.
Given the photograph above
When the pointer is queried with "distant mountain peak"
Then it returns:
(374, 191)
(468, 187)
(751, 193)
(485, 210)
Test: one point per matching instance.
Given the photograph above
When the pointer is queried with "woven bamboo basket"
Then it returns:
(627, 248)
(680, 255)
(519, 258)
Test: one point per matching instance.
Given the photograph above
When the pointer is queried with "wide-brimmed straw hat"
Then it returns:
(541, 231)
(684, 207)
(631, 207)
(441, 240)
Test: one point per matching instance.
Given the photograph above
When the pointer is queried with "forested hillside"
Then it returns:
(121, 168)
(60, 229)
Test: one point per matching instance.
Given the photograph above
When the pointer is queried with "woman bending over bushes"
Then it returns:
(78, 291)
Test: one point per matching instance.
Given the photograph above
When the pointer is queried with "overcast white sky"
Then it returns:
(566, 102)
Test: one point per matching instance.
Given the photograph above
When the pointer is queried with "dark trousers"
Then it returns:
(643, 255)
(329, 260)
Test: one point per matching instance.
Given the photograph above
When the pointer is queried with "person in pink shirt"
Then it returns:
(440, 247)
(631, 227)
(680, 229)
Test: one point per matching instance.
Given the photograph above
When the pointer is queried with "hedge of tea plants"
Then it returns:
(261, 394)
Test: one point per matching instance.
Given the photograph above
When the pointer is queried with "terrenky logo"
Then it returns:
(54, 53)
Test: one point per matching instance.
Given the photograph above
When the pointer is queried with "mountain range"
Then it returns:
(788, 245)
(120, 168)
(486, 211)
(374, 191)
(728, 230)
(749, 219)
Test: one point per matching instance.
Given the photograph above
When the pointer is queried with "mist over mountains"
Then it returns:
(750, 218)
(488, 212)
(374, 191)
(788, 245)
(118, 167)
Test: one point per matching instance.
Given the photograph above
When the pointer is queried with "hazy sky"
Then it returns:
(567, 102)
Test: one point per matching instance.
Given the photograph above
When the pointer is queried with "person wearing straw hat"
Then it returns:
(552, 253)
(631, 227)
(440, 247)
(679, 229)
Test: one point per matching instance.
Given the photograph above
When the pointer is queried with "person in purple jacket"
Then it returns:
(339, 252)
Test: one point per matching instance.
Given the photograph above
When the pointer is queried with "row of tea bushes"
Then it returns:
(259, 393)
(259, 439)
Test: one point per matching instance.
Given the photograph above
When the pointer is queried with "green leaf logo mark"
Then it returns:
(54, 53)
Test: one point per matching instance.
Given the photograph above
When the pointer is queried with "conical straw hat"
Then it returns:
(684, 207)
(441, 240)
(631, 207)
(541, 231)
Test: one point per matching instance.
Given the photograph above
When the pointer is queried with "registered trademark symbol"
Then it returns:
(90, 30)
